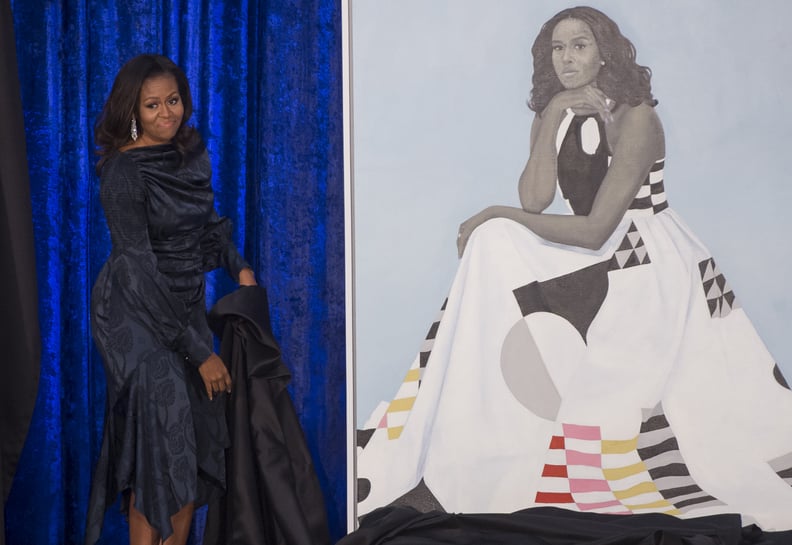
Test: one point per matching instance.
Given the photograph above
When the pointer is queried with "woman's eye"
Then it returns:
(557, 48)
(173, 101)
(151, 106)
(580, 46)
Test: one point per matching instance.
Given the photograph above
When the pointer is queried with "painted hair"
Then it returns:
(112, 129)
(621, 78)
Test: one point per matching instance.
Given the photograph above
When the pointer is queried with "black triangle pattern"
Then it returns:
(631, 252)
(720, 297)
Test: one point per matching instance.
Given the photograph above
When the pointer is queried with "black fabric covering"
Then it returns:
(19, 333)
(553, 526)
(273, 494)
(2, 505)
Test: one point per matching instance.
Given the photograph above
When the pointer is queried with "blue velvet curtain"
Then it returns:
(266, 82)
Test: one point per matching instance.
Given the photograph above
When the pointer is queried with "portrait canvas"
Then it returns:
(438, 128)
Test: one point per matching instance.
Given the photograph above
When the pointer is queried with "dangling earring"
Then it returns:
(133, 129)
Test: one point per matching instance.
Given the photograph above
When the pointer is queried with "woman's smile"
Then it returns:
(161, 110)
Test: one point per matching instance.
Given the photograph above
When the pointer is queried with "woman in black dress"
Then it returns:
(165, 431)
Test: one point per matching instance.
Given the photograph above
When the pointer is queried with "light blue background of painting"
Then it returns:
(441, 129)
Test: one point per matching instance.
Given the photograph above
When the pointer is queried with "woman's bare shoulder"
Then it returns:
(634, 122)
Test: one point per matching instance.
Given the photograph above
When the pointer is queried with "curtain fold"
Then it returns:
(19, 334)
(266, 83)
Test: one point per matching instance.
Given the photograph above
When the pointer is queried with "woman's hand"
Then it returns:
(246, 277)
(584, 100)
(215, 376)
(469, 225)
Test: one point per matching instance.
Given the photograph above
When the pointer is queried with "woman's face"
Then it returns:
(576, 57)
(161, 110)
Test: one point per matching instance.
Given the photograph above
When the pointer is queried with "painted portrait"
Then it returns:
(610, 355)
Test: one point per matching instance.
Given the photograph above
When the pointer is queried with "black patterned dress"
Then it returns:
(163, 439)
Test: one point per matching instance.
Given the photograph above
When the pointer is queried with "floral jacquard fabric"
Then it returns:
(163, 440)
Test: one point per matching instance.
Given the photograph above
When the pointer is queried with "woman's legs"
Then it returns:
(181, 526)
(141, 532)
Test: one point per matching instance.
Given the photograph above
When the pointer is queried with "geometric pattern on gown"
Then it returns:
(578, 296)
(659, 450)
(589, 465)
(631, 251)
(641, 474)
(783, 467)
(575, 297)
(399, 408)
(651, 194)
(778, 375)
(363, 488)
(592, 464)
(720, 297)
(578, 306)
(420, 498)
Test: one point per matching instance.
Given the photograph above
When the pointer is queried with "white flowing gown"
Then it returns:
(622, 380)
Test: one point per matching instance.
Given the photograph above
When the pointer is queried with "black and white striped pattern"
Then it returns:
(658, 448)
(651, 195)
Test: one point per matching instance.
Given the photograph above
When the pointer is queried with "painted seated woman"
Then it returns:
(597, 360)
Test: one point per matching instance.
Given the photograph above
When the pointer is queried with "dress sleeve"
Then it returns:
(218, 248)
(134, 265)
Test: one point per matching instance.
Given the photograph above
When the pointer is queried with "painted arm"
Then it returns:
(639, 145)
(537, 184)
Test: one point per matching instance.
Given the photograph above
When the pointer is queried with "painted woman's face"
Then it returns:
(576, 57)
(161, 110)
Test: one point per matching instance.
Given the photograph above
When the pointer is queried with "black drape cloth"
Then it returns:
(20, 347)
(2, 505)
(273, 495)
(397, 525)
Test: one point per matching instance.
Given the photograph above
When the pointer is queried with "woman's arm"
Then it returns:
(640, 143)
(537, 184)
(219, 250)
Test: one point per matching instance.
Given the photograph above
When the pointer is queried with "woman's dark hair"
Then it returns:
(621, 78)
(112, 129)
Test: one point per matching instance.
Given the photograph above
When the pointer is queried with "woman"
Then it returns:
(595, 361)
(164, 428)
(575, 74)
